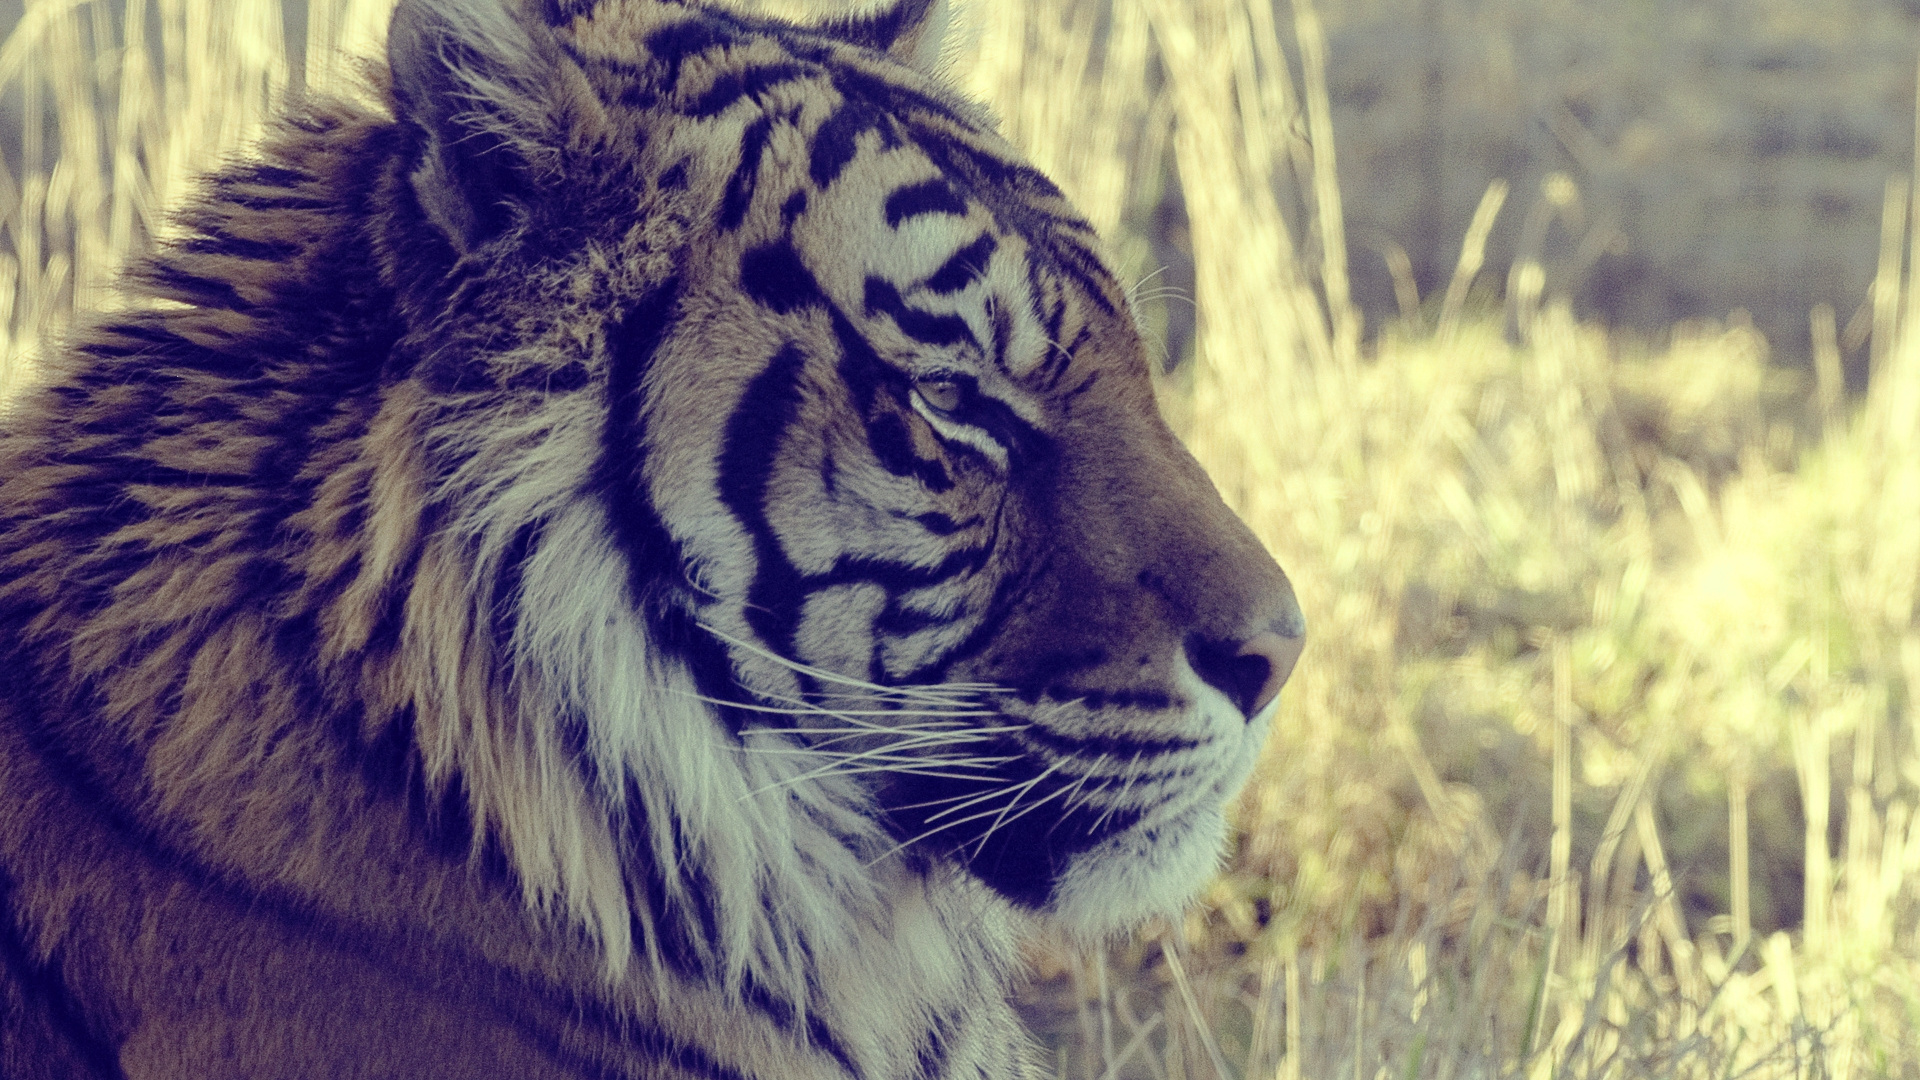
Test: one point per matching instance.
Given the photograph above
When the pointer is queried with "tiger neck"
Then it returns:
(635, 810)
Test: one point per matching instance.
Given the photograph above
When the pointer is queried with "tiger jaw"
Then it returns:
(1156, 867)
(1095, 824)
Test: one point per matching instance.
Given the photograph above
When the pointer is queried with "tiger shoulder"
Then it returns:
(651, 555)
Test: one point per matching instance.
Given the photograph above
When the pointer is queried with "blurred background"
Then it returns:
(1566, 355)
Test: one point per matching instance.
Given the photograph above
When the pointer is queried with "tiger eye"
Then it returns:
(942, 395)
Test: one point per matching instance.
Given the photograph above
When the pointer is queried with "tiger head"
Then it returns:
(815, 424)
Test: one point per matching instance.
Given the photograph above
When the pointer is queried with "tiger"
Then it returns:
(643, 547)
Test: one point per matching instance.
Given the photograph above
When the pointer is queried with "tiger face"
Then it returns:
(886, 465)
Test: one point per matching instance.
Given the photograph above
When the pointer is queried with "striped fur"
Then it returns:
(654, 557)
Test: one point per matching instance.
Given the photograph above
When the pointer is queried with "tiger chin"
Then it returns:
(650, 554)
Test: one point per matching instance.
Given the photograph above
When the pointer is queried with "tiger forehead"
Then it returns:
(808, 109)
(685, 53)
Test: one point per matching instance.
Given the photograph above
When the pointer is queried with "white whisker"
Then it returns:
(1011, 803)
(935, 692)
(912, 768)
(909, 737)
(1120, 797)
(808, 706)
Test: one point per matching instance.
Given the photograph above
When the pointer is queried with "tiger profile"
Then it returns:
(651, 555)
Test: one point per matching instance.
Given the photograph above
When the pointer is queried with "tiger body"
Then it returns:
(654, 556)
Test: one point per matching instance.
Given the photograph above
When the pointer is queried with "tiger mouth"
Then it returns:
(1097, 808)
(1042, 805)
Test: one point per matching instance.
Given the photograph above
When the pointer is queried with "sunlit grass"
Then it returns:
(1599, 761)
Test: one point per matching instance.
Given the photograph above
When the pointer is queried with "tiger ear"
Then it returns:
(912, 32)
(479, 94)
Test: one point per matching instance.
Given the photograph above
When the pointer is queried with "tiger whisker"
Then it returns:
(897, 752)
(1120, 797)
(981, 844)
(894, 754)
(916, 768)
(907, 737)
(939, 691)
(907, 751)
(971, 801)
(803, 703)
(1011, 803)
(890, 758)
(910, 841)
(971, 796)
(1079, 795)
(807, 706)
(1163, 294)
(925, 721)
(965, 801)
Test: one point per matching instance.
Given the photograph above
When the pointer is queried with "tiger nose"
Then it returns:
(1276, 654)
(1250, 672)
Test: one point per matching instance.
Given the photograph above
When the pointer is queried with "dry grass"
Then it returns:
(1599, 762)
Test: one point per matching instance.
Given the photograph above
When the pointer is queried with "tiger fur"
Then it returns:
(653, 556)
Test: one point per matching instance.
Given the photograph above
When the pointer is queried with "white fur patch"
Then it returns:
(1158, 866)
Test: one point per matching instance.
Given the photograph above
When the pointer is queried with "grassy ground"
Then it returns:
(1599, 762)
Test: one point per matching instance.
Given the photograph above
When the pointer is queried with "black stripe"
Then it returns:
(926, 327)
(755, 433)
(218, 242)
(1094, 745)
(1005, 594)
(687, 937)
(862, 370)
(966, 266)
(205, 291)
(934, 196)
(734, 86)
(674, 44)
(871, 88)
(932, 1056)
(879, 30)
(136, 471)
(879, 393)
(1017, 195)
(264, 175)
(560, 12)
(1002, 320)
(837, 139)
(892, 446)
(898, 621)
(740, 186)
(40, 989)
(1110, 698)
(940, 524)
(675, 632)
(1051, 306)
(132, 338)
(1021, 854)
(653, 558)
(270, 203)
(775, 277)
(898, 576)
(503, 606)
(383, 638)
(785, 1015)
